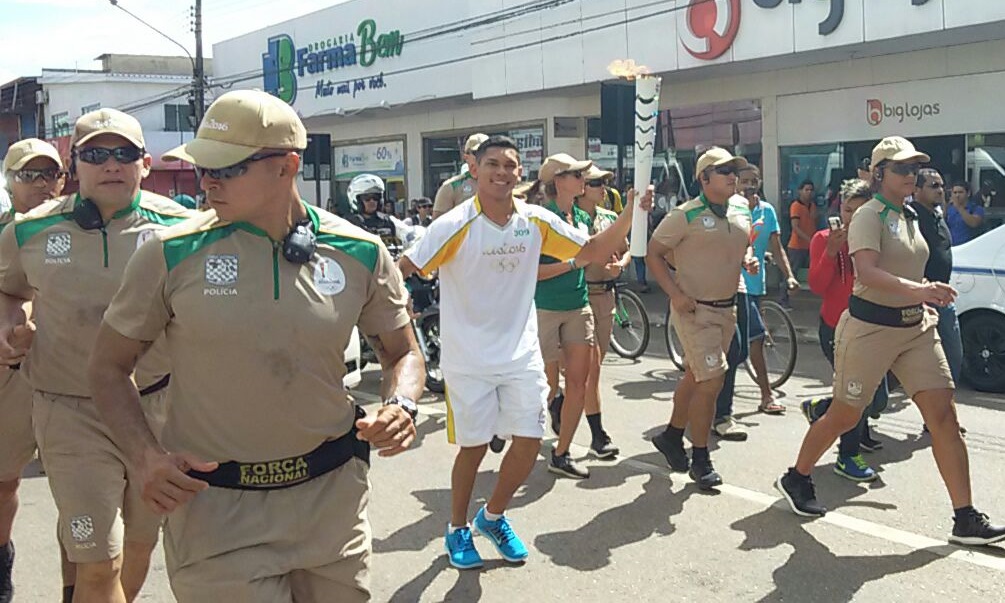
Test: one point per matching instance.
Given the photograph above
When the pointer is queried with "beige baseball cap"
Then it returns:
(238, 125)
(107, 121)
(23, 151)
(715, 157)
(596, 173)
(896, 148)
(561, 162)
(474, 141)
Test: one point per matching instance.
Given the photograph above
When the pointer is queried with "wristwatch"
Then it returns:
(407, 404)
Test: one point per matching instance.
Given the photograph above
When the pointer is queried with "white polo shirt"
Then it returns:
(488, 274)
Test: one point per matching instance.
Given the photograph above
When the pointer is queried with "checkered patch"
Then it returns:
(82, 528)
(221, 270)
(57, 245)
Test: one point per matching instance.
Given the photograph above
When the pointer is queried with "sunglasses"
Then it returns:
(30, 176)
(726, 170)
(371, 197)
(99, 155)
(577, 174)
(594, 183)
(238, 169)
(905, 169)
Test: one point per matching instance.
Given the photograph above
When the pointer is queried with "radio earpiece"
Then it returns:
(301, 243)
(87, 215)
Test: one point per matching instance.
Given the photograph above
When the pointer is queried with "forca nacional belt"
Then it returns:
(887, 316)
(291, 471)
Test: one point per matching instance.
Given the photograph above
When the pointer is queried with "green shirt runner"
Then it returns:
(567, 291)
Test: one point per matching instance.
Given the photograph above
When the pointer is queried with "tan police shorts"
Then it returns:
(309, 542)
(864, 352)
(96, 491)
(555, 329)
(17, 440)
(602, 304)
(705, 334)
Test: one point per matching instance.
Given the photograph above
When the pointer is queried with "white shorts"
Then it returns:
(502, 404)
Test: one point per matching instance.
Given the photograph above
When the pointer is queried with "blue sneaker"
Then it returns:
(814, 408)
(854, 468)
(461, 549)
(508, 544)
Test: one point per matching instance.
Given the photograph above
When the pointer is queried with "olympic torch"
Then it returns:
(647, 102)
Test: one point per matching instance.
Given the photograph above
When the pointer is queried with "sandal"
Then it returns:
(771, 408)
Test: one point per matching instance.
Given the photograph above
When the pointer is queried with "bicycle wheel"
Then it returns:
(674, 347)
(630, 335)
(780, 344)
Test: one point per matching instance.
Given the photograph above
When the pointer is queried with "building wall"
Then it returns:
(74, 97)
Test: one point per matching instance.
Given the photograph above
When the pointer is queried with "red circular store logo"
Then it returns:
(712, 27)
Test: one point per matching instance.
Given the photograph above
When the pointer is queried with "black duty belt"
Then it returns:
(292, 471)
(907, 316)
(718, 303)
(156, 387)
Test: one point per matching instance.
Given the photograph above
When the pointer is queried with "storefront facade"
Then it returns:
(802, 88)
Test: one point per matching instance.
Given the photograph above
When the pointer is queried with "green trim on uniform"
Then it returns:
(125, 211)
(27, 229)
(177, 249)
(275, 270)
(888, 207)
(159, 218)
(566, 291)
(365, 252)
(460, 181)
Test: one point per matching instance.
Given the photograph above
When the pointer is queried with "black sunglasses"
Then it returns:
(29, 176)
(99, 155)
(594, 183)
(238, 169)
(725, 170)
(371, 197)
(905, 169)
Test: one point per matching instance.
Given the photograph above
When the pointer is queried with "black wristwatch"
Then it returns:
(407, 404)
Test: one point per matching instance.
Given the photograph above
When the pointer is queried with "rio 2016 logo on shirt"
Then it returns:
(711, 27)
(283, 62)
(876, 110)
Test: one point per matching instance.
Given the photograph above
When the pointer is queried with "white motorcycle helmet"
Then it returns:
(361, 185)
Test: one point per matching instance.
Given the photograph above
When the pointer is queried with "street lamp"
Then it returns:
(198, 83)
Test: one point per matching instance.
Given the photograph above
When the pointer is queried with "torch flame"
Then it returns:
(627, 69)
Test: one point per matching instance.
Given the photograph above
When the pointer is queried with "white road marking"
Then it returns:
(942, 548)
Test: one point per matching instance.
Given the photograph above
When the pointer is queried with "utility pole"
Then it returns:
(199, 74)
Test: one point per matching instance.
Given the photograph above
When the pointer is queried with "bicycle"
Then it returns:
(781, 347)
(630, 334)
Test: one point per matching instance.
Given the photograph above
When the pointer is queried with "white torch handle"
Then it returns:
(647, 102)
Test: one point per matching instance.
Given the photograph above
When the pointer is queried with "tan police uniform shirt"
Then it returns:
(256, 342)
(71, 274)
(453, 192)
(707, 250)
(882, 227)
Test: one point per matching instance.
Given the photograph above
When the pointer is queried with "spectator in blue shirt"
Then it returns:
(963, 216)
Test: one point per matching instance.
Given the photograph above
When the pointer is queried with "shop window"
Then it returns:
(985, 174)
(61, 124)
(88, 108)
(442, 156)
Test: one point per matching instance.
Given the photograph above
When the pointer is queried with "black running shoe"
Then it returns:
(563, 465)
(555, 410)
(869, 444)
(6, 573)
(497, 444)
(976, 529)
(799, 492)
(704, 474)
(602, 448)
(673, 450)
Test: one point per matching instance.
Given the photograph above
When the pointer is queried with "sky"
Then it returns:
(69, 34)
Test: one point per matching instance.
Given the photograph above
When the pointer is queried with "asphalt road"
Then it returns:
(633, 532)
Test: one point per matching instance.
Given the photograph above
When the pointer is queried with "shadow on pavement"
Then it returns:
(589, 547)
(812, 572)
(467, 588)
(654, 385)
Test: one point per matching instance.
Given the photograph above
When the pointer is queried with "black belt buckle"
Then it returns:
(718, 303)
(887, 316)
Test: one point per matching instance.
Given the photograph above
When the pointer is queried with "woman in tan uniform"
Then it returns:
(890, 324)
